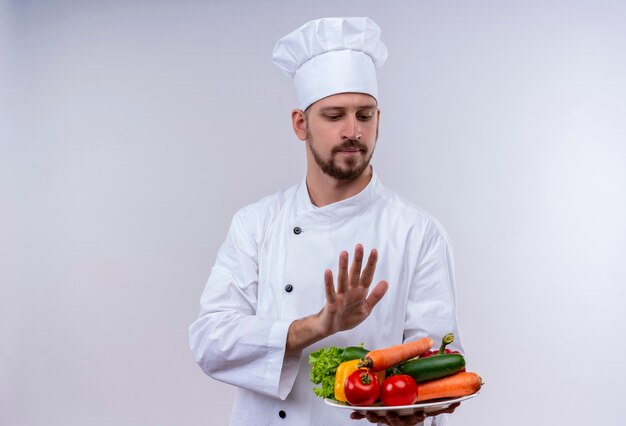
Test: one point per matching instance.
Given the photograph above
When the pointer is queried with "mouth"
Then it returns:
(350, 153)
(351, 149)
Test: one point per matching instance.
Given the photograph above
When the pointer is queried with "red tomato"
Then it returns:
(362, 388)
(397, 390)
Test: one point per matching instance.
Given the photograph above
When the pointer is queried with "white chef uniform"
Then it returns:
(269, 272)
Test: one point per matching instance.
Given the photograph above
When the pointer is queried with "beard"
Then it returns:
(352, 166)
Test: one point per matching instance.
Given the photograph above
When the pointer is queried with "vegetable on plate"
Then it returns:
(382, 359)
(356, 376)
(344, 370)
(324, 363)
(353, 352)
(433, 367)
(400, 389)
(362, 388)
(459, 384)
(445, 341)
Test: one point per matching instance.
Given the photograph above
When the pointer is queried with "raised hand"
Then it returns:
(348, 304)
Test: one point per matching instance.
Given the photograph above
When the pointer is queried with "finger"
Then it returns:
(373, 418)
(451, 408)
(377, 294)
(410, 420)
(448, 410)
(419, 416)
(395, 420)
(368, 273)
(392, 419)
(356, 416)
(342, 274)
(329, 286)
(357, 262)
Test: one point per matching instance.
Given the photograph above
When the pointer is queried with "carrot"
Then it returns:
(459, 384)
(382, 359)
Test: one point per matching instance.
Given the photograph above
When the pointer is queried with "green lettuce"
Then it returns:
(324, 363)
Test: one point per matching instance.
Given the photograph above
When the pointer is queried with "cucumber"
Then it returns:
(353, 352)
(433, 367)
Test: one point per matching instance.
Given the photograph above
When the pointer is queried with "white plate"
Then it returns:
(402, 410)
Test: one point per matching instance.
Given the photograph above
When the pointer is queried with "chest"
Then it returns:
(296, 251)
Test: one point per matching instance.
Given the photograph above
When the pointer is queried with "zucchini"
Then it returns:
(353, 352)
(433, 367)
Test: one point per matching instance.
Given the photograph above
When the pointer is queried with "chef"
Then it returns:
(336, 260)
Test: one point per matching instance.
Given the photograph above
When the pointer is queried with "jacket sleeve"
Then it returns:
(431, 306)
(229, 341)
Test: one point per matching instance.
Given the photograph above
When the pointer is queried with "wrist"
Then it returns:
(304, 332)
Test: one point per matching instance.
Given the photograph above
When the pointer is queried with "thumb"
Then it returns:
(377, 293)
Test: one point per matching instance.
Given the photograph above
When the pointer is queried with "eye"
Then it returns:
(365, 117)
(332, 117)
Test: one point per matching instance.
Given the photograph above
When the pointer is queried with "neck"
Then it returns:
(325, 190)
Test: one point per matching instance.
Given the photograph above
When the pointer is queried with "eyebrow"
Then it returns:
(336, 108)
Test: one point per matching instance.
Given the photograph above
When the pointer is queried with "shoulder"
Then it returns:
(257, 215)
(406, 213)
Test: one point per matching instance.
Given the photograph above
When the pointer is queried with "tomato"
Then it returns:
(400, 389)
(362, 388)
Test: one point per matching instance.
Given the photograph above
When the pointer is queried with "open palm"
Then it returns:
(348, 304)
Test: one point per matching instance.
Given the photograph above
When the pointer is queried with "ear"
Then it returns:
(298, 121)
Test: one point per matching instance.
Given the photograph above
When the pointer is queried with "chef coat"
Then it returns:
(270, 272)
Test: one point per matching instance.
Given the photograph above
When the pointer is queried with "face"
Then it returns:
(341, 132)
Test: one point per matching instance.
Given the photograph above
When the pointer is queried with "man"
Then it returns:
(272, 297)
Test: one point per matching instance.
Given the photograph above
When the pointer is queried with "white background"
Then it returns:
(132, 131)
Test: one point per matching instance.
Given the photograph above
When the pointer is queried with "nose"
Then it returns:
(352, 129)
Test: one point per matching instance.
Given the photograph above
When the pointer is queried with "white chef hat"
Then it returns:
(332, 55)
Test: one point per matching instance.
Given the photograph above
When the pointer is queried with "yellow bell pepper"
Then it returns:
(343, 371)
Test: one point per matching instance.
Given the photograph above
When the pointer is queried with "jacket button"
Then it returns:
(297, 230)
(282, 414)
(288, 288)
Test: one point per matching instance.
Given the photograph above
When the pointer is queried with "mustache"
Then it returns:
(349, 144)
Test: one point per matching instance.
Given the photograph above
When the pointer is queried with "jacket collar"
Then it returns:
(348, 207)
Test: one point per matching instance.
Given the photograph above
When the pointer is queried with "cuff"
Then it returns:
(282, 382)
